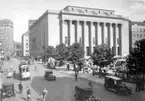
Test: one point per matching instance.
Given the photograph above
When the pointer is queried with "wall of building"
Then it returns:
(137, 32)
(25, 44)
(38, 35)
(6, 36)
(53, 29)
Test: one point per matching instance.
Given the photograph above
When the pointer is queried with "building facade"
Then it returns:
(88, 26)
(137, 32)
(17, 49)
(6, 37)
(25, 44)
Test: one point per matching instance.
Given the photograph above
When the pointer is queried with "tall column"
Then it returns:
(90, 37)
(120, 39)
(76, 31)
(114, 38)
(102, 32)
(83, 35)
(61, 30)
(108, 35)
(96, 34)
(69, 31)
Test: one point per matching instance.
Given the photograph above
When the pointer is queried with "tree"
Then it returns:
(50, 51)
(75, 52)
(61, 50)
(136, 58)
(102, 55)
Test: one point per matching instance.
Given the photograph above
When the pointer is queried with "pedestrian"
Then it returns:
(28, 94)
(68, 66)
(44, 93)
(20, 88)
(35, 68)
(76, 75)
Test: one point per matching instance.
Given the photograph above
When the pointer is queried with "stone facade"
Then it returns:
(88, 26)
(25, 44)
(6, 37)
(137, 32)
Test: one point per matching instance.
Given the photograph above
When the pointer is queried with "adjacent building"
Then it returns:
(25, 44)
(88, 26)
(137, 32)
(6, 37)
(17, 49)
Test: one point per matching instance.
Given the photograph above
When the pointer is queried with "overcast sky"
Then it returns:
(19, 11)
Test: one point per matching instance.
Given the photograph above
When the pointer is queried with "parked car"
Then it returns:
(116, 84)
(49, 75)
(8, 90)
(84, 92)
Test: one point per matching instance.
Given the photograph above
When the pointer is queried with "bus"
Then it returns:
(24, 72)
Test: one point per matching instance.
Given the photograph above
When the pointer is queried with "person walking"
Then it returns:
(28, 94)
(20, 86)
(44, 93)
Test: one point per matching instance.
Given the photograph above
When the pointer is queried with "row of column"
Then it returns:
(87, 35)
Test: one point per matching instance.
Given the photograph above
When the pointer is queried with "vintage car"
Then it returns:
(116, 84)
(8, 90)
(84, 92)
(49, 75)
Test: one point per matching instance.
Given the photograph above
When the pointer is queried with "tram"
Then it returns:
(24, 72)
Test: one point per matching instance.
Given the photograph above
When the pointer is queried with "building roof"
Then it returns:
(89, 8)
(114, 77)
(138, 23)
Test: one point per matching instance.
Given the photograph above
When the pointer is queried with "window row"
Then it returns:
(139, 35)
(139, 29)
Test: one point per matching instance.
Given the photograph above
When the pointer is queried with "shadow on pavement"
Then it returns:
(38, 99)
(23, 98)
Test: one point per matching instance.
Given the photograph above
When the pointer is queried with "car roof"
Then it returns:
(24, 66)
(114, 77)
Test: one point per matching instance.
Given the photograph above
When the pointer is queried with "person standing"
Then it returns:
(28, 94)
(44, 93)
(20, 88)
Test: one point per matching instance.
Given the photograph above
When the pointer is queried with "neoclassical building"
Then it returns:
(88, 26)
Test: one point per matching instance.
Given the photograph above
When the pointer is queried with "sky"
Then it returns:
(20, 11)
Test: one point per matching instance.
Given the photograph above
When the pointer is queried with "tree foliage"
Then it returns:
(61, 50)
(102, 55)
(50, 51)
(75, 52)
(136, 58)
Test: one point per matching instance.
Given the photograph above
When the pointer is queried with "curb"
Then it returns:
(35, 88)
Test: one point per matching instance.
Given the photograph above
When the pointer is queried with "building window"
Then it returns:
(118, 41)
(94, 49)
(87, 49)
(26, 43)
(140, 35)
(93, 40)
(134, 35)
(144, 35)
(66, 40)
(80, 40)
(137, 35)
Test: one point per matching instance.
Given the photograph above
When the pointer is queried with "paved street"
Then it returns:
(22, 97)
(62, 89)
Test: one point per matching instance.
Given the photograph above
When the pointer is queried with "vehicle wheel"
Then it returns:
(9, 93)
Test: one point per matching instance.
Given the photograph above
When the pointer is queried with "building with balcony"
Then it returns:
(88, 26)
(25, 44)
